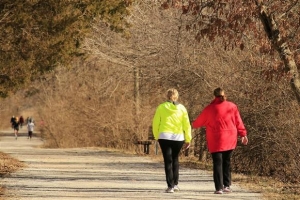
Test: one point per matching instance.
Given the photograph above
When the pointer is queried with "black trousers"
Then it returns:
(171, 150)
(221, 169)
(30, 134)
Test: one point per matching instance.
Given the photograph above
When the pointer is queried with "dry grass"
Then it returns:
(270, 188)
(8, 165)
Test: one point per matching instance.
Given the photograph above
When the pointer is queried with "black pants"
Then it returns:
(30, 134)
(221, 169)
(171, 150)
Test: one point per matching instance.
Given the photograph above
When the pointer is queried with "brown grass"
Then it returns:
(8, 165)
(270, 188)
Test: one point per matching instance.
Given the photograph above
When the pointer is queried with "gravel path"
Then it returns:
(71, 174)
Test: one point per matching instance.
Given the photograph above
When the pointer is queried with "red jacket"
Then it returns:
(223, 125)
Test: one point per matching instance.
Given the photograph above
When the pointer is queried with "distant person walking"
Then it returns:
(31, 119)
(12, 119)
(30, 127)
(223, 126)
(21, 121)
(171, 127)
(16, 125)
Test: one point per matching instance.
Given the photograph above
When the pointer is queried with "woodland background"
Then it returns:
(100, 84)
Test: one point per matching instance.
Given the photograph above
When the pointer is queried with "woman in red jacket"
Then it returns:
(223, 126)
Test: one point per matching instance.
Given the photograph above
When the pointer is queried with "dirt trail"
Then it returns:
(71, 174)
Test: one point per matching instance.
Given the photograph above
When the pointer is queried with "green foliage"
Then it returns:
(38, 35)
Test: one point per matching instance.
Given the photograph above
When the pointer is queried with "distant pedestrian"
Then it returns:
(30, 127)
(171, 127)
(21, 121)
(12, 119)
(16, 125)
(223, 126)
(31, 119)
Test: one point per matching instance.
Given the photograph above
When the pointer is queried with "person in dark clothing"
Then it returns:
(16, 125)
(30, 127)
(12, 119)
(21, 121)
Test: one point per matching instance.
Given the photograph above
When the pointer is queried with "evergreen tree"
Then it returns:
(38, 35)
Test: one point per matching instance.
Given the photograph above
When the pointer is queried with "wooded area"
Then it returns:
(38, 36)
(104, 91)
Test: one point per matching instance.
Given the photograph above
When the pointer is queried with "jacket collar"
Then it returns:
(173, 102)
(216, 100)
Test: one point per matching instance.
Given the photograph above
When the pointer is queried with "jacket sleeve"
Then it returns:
(155, 124)
(187, 127)
(239, 124)
(200, 120)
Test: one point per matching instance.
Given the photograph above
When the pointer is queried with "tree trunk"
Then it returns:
(281, 46)
(137, 90)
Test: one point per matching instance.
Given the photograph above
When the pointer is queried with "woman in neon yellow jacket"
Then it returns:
(171, 127)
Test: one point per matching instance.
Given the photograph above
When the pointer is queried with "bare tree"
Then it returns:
(264, 25)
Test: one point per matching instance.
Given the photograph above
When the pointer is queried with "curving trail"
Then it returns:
(78, 174)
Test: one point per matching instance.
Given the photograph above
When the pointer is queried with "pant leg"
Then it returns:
(217, 170)
(171, 150)
(176, 147)
(227, 168)
(167, 155)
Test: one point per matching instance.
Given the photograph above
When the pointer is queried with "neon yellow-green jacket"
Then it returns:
(171, 122)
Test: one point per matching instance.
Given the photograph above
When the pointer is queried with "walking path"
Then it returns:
(78, 174)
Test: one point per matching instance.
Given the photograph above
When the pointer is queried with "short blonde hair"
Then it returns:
(172, 94)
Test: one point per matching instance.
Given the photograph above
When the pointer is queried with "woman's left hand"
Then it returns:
(244, 140)
(186, 145)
